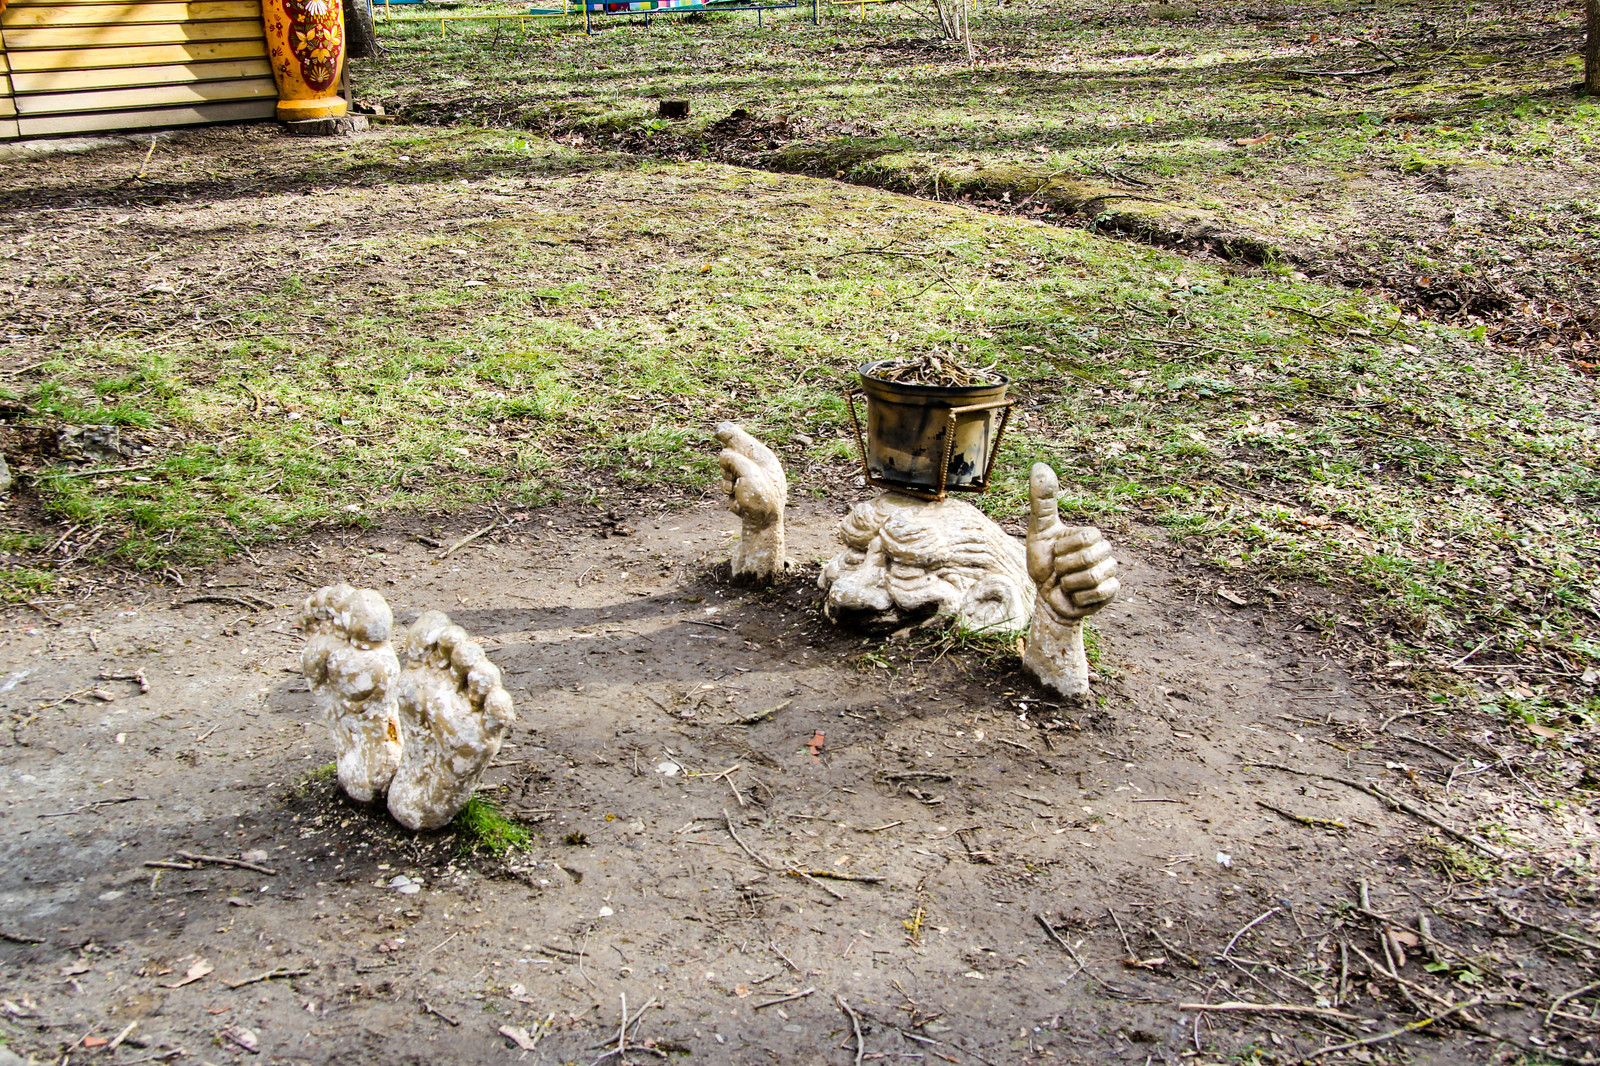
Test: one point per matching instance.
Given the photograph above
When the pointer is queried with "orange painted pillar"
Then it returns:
(305, 40)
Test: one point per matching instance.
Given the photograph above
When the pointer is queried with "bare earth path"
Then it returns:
(974, 808)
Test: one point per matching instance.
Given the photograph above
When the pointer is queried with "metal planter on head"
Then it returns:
(929, 440)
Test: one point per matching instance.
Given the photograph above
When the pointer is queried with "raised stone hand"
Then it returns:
(352, 669)
(454, 714)
(1075, 574)
(757, 492)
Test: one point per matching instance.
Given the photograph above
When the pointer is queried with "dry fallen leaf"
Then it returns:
(200, 968)
(1144, 964)
(518, 1036)
(1256, 140)
(245, 1038)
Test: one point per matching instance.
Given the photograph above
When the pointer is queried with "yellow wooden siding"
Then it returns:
(110, 121)
(138, 56)
(94, 36)
(128, 14)
(146, 96)
(56, 81)
(8, 128)
(81, 67)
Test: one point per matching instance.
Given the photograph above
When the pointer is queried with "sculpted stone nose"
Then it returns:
(864, 587)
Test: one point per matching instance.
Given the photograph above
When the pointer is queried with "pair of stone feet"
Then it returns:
(419, 727)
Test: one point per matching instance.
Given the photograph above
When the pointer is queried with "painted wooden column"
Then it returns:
(305, 40)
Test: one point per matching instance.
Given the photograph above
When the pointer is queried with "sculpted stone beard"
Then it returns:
(906, 560)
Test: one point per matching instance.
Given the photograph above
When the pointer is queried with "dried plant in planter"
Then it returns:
(933, 369)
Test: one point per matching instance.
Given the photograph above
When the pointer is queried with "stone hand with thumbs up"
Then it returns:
(1076, 576)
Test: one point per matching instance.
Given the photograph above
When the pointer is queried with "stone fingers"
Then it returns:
(736, 440)
(1099, 596)
(735, 467)
(1068, 604)
(1080, 550)
(1101, 570)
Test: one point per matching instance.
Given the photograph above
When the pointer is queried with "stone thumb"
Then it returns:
(1042, 489)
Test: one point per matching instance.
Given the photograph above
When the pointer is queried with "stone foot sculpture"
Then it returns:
(353, 672)
(907, 560)
(453, 714)
(757, 492)
(1074, 570)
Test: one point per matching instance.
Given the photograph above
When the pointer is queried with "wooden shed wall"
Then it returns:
(85, 66)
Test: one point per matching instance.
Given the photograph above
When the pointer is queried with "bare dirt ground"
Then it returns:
(975, 812)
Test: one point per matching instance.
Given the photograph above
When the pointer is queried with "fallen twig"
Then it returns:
(1128, 947)
(1567, 997)
(1192, 962)
(237, 601)
(1387, 942)
(1393, 801)
(94, 472)
(746, 847)
(92, 806)
(270, 975)
(1505, 912)
(752, 719)
(1409, 1027)
(21, 938)
(222, 861)
(855, 1020)
(1272, 1008)
(1253, 923)
(429, 1008)
(117, 1040)
(468, 539)
(1050, 932)
(137, 676)
(1304, 819)
(837, 876)
(783, 999)
(802, 874)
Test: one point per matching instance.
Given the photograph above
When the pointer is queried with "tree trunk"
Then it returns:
(1591, 47)
(362, 42)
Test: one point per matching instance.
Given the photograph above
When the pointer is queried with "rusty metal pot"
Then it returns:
(929, 440)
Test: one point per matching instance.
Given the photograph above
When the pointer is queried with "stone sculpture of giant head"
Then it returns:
(906, 560)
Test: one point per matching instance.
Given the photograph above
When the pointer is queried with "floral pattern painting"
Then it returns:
(314, 33)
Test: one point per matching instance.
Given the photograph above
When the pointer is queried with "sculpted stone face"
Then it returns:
(906, 560)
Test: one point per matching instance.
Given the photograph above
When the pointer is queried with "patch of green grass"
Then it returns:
(1084, 95)
(482, 829)
(19, 584)
(1442, 486)
(1461, 864)
(311, 780)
